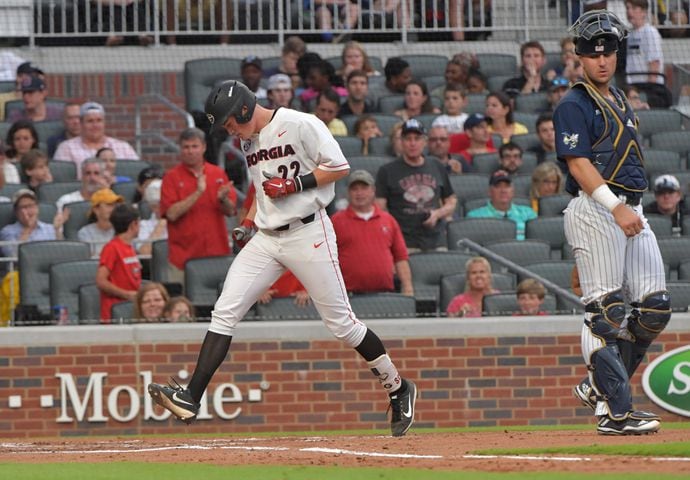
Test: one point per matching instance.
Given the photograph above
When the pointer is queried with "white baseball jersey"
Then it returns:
(292, 144)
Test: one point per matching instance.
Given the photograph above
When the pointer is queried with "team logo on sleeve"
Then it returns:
(570, 139)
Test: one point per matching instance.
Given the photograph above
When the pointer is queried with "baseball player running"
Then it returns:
(616, 252)
(294, 161)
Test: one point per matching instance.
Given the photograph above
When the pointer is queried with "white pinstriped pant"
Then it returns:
(607, 260)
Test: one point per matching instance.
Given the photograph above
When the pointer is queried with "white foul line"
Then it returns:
(366, 454)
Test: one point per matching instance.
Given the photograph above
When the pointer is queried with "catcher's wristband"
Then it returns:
(603, 195)
(305, 182)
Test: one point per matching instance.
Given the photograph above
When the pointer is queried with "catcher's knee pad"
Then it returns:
(646, 321)
(605, 315)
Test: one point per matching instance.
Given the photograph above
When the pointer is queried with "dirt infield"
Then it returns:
(447, 451)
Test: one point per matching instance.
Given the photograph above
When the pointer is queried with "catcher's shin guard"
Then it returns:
(607, 372)
(645, 323)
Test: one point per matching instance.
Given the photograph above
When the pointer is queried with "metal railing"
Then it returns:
(140, 134)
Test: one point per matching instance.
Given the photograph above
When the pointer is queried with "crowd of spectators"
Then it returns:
(387, 213)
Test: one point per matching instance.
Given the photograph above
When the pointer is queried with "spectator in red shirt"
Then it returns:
(196, 196)
(119, 273)
(370, 243)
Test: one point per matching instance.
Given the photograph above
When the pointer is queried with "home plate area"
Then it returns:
(446, 451)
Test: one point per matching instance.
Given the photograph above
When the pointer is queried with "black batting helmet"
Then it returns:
(229, 98)
(596, 32)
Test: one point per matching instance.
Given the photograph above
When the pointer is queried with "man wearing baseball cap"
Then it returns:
(474, 140)
(500, 204)
(668, 201)
(35, 108)
(417, 192)
(370, 243)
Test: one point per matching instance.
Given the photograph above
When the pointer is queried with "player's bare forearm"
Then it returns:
(586, 174)
(402, 270)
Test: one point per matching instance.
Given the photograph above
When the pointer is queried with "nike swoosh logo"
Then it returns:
(282, 133)
(178, 399)
(408, 413)
(317, 245)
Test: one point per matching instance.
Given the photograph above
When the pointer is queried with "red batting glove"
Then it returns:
(242, 234)
(276, 187)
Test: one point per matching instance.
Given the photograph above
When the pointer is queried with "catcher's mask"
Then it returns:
(597, 32)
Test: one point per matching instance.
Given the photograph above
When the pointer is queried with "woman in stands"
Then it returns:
(547, 179)
(21, 137)
(150, 302)
(354, 57)
(417, 101)
(477, 284)
(499, 111)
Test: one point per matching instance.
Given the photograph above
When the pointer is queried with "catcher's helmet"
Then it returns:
(229, 98)
(597, 31)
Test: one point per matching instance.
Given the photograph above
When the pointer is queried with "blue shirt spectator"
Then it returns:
(27, 228)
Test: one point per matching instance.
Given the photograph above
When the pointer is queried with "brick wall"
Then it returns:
(311, 385)
(118, 93)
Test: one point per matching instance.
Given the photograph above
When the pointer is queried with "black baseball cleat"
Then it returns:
(635, 423)
(176, 399)
(584, 392)
(402, 407)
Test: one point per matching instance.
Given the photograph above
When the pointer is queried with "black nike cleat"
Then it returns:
(584, 392)
(176, 399)
(402, 407)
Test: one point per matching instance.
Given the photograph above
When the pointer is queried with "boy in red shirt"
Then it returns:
(119, 273)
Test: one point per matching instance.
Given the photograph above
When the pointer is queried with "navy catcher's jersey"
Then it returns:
(579, 126)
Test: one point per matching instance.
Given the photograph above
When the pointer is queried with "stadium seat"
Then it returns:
(35, 260)
(659, 162)
(476, 103)
(548, 229)
(532, 103)
(48, 128)
(128, 190)
(383, 305)
(553, 205)
(556, 271)
(130, 168)
(65, 279)
(380, 146)
(423, 64)
(390, 103)
(522, 252)
(159, 261)
(495, 82)
(525, 141)
(428, 268)
(9, 189)
(491, 64)
(480, 230)
(522, 183)
(434, 81)
(370, 163)
(386, 122)
(89, 304)
(452, 285)
(123, 312)
(674, 250)
(684, 270)
(7, 86)
(78, 217)
(63, 171)
(6, 214)
(505, 304)
(658, 120)
(285, 309)
(486, 163)
(50, 192)
(529, 120)
(200, 75)
(661, 225)
(350, 145)
(680, 295)
(470, 185)
(202, 276)
(677, 141)
(427, 119)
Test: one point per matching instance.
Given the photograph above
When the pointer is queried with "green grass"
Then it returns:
(150, 471)
(671, 449)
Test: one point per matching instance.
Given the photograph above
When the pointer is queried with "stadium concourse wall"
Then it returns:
(293, 376)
